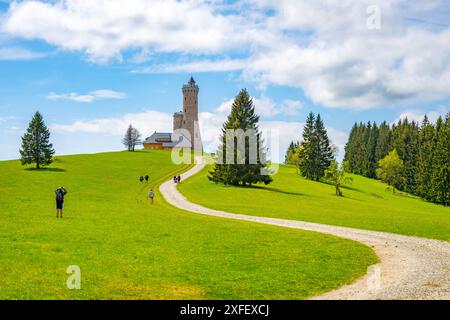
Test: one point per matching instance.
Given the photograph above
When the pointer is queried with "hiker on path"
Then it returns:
(175, 179)
(151, 195)
(60, 193)
(178, 179)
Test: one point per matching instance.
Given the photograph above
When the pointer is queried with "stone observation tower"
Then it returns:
(188, 118)
(186, 129)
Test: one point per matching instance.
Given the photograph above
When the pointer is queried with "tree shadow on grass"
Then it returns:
(274, 190)
(46, 169)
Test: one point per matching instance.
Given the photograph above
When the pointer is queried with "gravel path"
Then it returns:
(410, 267)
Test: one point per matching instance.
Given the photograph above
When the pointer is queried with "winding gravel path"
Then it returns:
(410, 267)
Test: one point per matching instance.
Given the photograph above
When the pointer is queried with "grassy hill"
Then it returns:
(128, 249)
(367, 204)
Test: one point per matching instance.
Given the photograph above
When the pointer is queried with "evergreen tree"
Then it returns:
(324, 148)
(309, 155)
(383, 142)
(242, 170)
(405, 141)
(371, 146)
(361, 149)
(316, 151)
(440, 175)
(350, 148)
(426, 149)
(36, 147)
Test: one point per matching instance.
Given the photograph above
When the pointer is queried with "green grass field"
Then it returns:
(128, 249)
(367, 204)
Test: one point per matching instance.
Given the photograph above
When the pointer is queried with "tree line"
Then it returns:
(414, 157)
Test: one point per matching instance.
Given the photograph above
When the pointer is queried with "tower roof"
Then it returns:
(191, 81)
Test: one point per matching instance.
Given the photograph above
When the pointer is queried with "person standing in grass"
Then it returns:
(151, 195)
(146, 178)
(60, 193)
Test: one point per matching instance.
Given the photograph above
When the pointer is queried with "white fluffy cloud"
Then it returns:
(417, 116)
(89, 97)
(104, 28)
(324, 48)
(266, 107)
(195, 66)
(146, 122)
(17, 53)
(343, 63)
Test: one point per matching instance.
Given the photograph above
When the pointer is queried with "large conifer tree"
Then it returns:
(241, 171)
(383, 142)
(316, 153)
(350, 146)
(308, 155)
(372, 139)
(325, 150)
(440, 175)
(36, 147)
(425, 160)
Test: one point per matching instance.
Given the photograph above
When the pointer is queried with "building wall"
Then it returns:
(156, 146)
(177, 121)
(153, 146)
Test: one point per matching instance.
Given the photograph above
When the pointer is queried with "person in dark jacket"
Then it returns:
(178, 179)
(141, 178)
(146, 178)
(60, 194)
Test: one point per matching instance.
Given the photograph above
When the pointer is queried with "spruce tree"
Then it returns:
(426, 147)
(440, 177)
(383, 142)
(349, 156)
(308, 154)
(325, 150)
(405, 139)
(242, 171)
(316, 152)
(372, 140)
(361, 149)
(36, 147)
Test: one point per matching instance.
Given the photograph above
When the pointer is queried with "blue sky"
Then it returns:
(93, 67)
